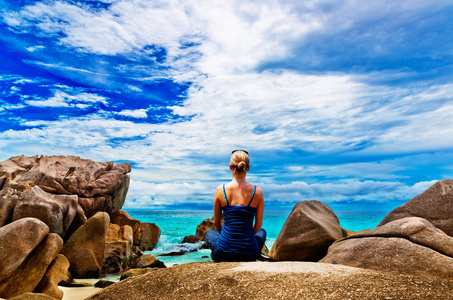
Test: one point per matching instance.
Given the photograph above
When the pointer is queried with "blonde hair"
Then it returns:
(239, 160)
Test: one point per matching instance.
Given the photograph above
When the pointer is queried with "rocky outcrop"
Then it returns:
(308, 232)
(122, 218)
(56, 272)
(86, 247)
(200, 234)
(435, 205)
(57, 211)
(410, 245)
(33, 296)
(120, 253)
(273, 280)
(204, 227)
(148, 261)
(17, 242)
(99, 186)
(150, 234)
(29, 274)
(135, 272)
(26, 251)
(45, 197)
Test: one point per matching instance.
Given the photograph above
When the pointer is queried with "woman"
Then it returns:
(241, 202)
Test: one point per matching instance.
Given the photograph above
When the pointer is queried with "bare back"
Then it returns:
(239, 193)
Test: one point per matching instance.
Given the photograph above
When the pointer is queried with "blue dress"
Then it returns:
(237, 241)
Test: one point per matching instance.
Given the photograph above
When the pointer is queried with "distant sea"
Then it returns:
(176, 224)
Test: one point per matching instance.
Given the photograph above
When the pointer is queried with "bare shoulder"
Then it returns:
(258, 191)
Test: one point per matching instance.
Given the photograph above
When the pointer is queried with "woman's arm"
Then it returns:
(259, 210)
(218, 209)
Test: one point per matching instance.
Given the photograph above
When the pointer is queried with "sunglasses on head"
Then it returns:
(240, 150)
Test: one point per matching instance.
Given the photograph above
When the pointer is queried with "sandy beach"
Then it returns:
(78, 293)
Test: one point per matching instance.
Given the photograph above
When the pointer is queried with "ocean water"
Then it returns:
(175, 225)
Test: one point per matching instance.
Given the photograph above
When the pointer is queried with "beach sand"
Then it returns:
(78, 293)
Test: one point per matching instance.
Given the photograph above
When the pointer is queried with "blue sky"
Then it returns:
(346, 102)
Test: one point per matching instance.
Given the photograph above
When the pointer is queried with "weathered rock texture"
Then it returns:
(148, 261)
(150, 234)
(122, 218)
(57, 271)
(273, 280)
(410, 245)
(29, 274)
(57, 211)
(45, 200)
(99, 186)
(120, 253)
(308, 232)
(86, 247)
(435, 205)
(26, 251)
(17, 242)
(204, 227)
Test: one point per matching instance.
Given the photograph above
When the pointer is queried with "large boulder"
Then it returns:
(435, 205)
(122, 218)
(150, 234)
(86, 247)
(99, 186)
(308, 232)
(8, 200)
(149, 261)
(27, 277)
(410, 245)
(203, 227)
(57, 271)
(17, 242)
(119, 250)
(57, 211)
(273, 280)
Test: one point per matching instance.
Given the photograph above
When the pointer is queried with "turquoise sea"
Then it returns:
(176, 224)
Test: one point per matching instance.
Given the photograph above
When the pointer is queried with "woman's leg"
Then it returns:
(211, 237)
(260, 238)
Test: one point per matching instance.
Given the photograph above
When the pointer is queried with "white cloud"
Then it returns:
(136, 113)
(62, 99)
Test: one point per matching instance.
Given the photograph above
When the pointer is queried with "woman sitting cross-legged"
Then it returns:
(242, 203)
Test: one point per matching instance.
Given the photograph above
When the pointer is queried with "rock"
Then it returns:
(410, 245)
(200, 233)
(435, 205)
(99, 186)
(8, 200)
(273, 280)
(31, 271)
(33, 296)
(103, 283)
(57, 211)
(148, 261)
(120, 253)
(308, 232)
(122, 218)
(135, 272)
(191, 239)
(73, 283)
(86, 247)
(56, 272)
(204, 227)
(118, 257)
(127, 234)
(149, 237)
(17, 241)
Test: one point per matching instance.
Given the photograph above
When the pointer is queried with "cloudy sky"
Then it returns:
(347, 102)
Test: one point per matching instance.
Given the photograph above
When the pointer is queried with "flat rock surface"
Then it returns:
(274, 280)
